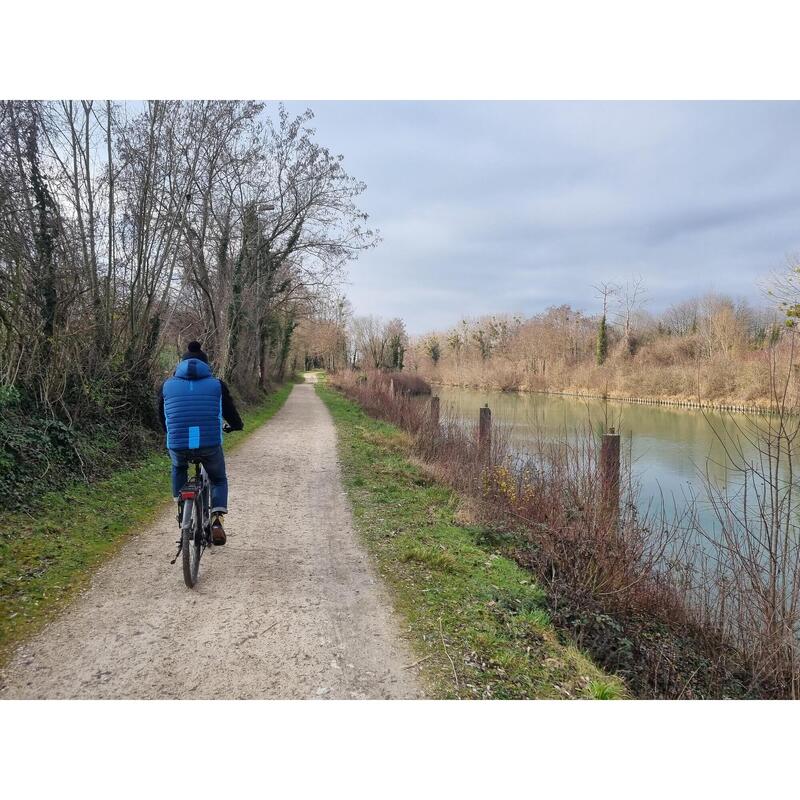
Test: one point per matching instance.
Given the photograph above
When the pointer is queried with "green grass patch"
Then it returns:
(477, 619)
(48, 555)
(604, 690)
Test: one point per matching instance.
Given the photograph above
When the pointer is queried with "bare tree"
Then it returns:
(371, 338)
(606, 290)
(122, 228)
(631, 299)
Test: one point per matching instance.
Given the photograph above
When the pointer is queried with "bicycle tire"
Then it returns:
(192, 545)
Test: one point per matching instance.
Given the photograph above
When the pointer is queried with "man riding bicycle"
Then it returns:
(192, 404)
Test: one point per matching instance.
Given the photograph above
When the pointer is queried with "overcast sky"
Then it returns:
(489, 207)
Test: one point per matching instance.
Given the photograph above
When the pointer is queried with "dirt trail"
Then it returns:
(289, 608)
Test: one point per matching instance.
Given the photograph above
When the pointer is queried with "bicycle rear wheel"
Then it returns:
(192, 543)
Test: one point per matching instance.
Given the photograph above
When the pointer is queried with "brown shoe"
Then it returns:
(217, 531)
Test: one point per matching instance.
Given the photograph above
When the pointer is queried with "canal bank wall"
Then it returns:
(698, 405)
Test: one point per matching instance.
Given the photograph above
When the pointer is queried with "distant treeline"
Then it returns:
(714, 349)
(711, 348)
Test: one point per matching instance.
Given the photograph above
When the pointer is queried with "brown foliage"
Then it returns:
(712, 351)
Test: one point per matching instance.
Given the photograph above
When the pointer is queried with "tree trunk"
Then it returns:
(44, 239)
(264, 345)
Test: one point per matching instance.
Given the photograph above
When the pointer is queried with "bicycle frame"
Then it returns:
(199, 486)
(195, 498)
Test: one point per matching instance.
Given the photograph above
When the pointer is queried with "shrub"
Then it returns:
(407, 383)
(39, 453)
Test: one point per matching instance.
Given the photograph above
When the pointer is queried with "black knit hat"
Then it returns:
(195, 350)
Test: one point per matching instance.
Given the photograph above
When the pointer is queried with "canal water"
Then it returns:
(669, 449)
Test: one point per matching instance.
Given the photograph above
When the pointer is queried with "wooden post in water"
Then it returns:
(434, 415)
(485, 432)
(609, 473)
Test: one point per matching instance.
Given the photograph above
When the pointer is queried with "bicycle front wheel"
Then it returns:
(192, 543)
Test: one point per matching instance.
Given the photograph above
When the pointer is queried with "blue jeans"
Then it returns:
(213, 460)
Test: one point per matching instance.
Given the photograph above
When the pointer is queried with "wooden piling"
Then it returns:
(485, 431)
(433, 419)
(609, 473)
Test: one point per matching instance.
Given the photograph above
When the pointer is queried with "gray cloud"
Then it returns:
(489, 207)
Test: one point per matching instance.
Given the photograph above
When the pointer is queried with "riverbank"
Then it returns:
(48, 554)
(478, 621)
(607, 588)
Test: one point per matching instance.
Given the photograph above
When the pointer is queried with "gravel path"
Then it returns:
(290, 608)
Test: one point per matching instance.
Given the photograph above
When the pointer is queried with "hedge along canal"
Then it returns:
(47, 556)
(478, 621)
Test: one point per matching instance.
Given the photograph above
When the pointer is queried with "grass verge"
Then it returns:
(477, 620)
(46, 557)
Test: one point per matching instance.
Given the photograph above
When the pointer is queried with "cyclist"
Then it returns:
(192, 404)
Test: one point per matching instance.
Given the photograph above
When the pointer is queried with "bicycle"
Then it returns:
(194, 518)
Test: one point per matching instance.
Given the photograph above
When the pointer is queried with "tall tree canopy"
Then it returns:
(127, 228)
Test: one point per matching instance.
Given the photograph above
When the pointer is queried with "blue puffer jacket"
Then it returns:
(193, 407)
